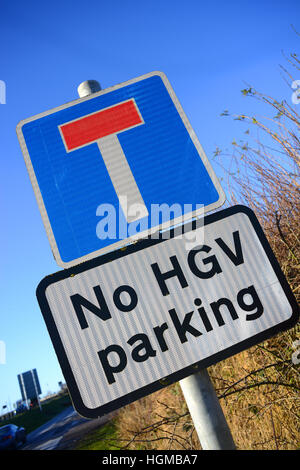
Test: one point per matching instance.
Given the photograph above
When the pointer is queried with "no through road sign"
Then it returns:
(129, 147)
(129, 322)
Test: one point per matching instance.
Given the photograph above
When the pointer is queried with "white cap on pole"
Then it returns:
(88, 87)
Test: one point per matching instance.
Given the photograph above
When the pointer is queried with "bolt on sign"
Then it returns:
(130, 147)
(127, 323)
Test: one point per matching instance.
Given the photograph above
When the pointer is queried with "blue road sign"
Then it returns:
(115, 166)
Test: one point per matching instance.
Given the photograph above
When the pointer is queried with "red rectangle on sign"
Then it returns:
(100, 124)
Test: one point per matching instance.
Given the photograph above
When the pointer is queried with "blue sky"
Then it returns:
(208, 50)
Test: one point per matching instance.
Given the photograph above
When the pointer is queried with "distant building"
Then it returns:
(29, 385)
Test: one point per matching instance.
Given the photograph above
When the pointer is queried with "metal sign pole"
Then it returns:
(206, 412)
(198, 390)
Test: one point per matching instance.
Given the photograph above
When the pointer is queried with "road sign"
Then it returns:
(29, 385)
(132, 321)
(104, 168)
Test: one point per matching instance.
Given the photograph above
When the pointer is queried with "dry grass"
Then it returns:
(258, 388)
(158, 421)
(263, 407)
(259, 394)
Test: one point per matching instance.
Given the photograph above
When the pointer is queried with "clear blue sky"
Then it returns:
(208, 50)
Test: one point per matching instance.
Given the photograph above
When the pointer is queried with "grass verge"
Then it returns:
(104, 438)
(35, 418)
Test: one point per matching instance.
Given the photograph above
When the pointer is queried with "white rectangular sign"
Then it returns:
(123, 322)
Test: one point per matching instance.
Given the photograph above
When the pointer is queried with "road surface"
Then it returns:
(62, 431)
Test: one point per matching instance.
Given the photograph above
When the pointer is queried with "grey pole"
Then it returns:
(88, 87)
(206, 412)
(198, 390)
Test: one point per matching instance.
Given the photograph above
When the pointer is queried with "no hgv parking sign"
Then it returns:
(129, 322)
